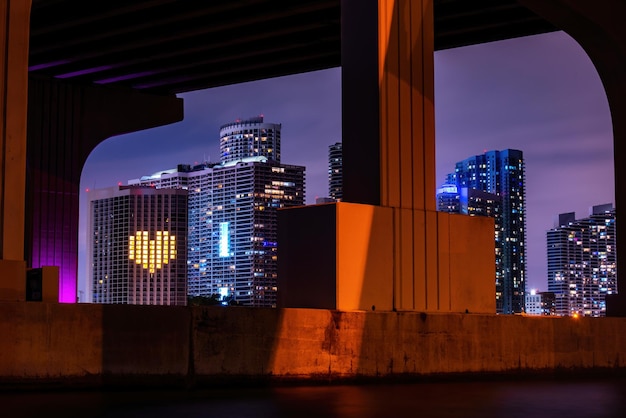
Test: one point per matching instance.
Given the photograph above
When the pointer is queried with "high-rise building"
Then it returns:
(137, 246)
(232, 249)
(448, 198)
(335, 171)
(493, 184)
(250, 138)
(582, 261)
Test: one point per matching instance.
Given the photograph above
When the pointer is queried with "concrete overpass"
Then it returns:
(75, 73)
(166, 47)
(111, 67)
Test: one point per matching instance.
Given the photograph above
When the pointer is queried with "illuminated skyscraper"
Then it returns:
(493, 184)
(582, 261)
(232, 249)
(250, 138)
(137, 246)
(335, 171)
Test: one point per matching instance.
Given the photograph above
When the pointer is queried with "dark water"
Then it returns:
(601, 398)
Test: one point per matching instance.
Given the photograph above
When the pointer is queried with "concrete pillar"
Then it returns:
(65, 123)
(598, 28)
(400, 243)
(14, 24)
(388, 75)
(388, 102)
(14, 38)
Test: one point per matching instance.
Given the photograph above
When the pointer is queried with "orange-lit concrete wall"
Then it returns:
(61, 343)
(14, 21)
(349, 256)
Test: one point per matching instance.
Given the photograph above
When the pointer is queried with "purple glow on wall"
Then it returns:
(84, 72)
(67, 287)
(48, 65)
(124, 77)
(67, 275)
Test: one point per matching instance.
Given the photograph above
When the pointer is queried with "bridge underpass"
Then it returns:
(115, 67)
(71, 78)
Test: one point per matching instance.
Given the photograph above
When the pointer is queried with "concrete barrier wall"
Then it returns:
(43, 342)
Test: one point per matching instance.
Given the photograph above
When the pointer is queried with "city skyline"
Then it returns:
(539, 94)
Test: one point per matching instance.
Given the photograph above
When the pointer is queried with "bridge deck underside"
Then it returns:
(169, 46)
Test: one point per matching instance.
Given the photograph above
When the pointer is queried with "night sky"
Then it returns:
(540, 94)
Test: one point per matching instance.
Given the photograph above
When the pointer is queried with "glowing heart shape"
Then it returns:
(152, 254)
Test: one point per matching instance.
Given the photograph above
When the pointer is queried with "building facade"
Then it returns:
(582, 261)
(448, 198)
(493, 184)
(335, 171)
(251, 137)
(233, 205)
(540, 303)
(138, 245)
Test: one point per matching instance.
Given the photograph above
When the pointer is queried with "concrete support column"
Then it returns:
(599, 29)
(388, 102)
(406, 92)
(391, 249)
(14, 38)
(388, 76)
(65, 123)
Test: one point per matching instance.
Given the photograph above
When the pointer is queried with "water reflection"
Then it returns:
(594, 398)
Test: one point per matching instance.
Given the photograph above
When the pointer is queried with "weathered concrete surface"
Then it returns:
(46, 343)
(347, 256)
(51, 342)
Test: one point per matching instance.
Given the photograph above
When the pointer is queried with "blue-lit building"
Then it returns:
(582, 262)
(233, 207)
(493, 184)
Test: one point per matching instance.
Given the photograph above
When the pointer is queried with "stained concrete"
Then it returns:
(51, 344)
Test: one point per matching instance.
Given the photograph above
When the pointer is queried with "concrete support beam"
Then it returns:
(406, 93)
(360, 102)
(388, 103)
(341, 256)
(393, 251)
(14, 40)
(65, 123)
(598, 28)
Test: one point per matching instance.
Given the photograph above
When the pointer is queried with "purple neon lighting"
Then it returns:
(124, 77)
(48, 65)
(67, 286)
(85, 72)
(67, 276)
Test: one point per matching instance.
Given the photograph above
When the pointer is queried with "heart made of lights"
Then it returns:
(152, 254)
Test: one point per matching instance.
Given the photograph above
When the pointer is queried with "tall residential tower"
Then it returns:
(249, 138)
(335, 171)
